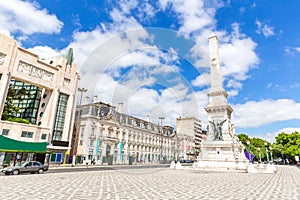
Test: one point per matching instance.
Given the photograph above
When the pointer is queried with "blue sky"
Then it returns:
(153, 55)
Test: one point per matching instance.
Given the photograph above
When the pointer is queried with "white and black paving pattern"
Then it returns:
(158, 183)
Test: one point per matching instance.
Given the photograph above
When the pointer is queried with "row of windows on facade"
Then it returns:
(29, 103)
(25, 134)
(105, 112)
(150, 142)
(131, 137)
(29, 107)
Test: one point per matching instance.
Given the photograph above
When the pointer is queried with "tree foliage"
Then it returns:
(256, 146)
(288, 144)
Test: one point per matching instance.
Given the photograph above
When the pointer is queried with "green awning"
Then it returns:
(11, 145)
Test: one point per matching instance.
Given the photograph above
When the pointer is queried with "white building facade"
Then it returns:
(108, 136)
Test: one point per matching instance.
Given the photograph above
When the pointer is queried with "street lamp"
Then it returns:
(178, 147)
(248, 143)
(258, 148)
(271, 154)
(266, 144)
(161, 118)
(77, 126)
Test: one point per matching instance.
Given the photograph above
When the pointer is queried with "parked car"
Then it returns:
(190, 161)
(298, 164)
(25, 167)
(186, 161)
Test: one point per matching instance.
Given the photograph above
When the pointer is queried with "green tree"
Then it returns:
(257, 147)
(288, 145)
(255, 143)
(243, 138)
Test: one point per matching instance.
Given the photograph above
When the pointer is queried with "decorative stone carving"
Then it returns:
(35, 71)
(66, 82)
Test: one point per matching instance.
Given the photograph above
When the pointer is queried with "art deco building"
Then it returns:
(109, 136)
(37, 102)
(189, 131)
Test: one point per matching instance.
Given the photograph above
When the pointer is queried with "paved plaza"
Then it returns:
(152, 183)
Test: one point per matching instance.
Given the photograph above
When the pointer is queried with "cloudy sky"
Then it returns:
(153, 55)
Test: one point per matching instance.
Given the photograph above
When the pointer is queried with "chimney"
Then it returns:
(120, 107)
(95, 99)
(148, 118)
(87, 99)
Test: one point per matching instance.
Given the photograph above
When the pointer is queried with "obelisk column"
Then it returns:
(216, 93)
(219, 112)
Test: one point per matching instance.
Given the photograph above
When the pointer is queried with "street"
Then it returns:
(151, 183)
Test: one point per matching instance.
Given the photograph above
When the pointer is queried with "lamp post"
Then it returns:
(266, 145)
(161, 133)
(258, 148)
(77, 126)
(248, 143)
(271, 154)
(178, 147)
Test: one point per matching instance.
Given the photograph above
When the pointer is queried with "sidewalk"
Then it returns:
(62, 166)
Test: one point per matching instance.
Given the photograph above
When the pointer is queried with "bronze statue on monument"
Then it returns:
(217, 128)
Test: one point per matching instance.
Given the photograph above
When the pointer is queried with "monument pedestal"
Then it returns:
(261, 168)
(221, 156)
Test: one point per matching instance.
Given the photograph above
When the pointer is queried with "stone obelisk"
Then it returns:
(221, 151)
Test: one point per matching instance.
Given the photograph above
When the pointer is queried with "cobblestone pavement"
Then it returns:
(156, 183)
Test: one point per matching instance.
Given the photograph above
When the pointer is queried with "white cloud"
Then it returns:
(237, 51)
(258, 113)
(118, 62)
(242, 10)
(148, 62)
(126, 6)
(238, 55)
(232, 93)
(292, 50)
(202, 80)
(45, 52)
(27, 18)
(163, 4)
(264, 29)
(234, 84)
(193, 15)
(269, 85)
(296, 85)
(288, 130)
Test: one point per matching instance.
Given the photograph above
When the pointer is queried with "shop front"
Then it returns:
(15, 151)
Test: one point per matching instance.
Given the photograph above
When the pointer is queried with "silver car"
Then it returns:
(25, 167)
